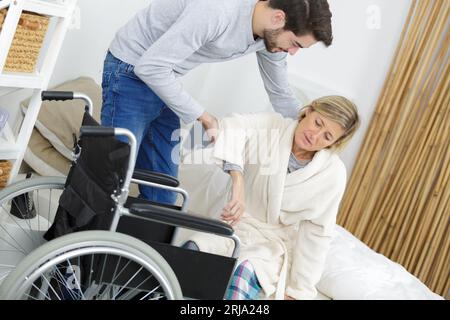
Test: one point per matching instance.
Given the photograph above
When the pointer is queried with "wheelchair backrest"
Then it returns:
(97, 173)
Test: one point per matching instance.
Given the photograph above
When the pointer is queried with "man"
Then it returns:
(141, 89)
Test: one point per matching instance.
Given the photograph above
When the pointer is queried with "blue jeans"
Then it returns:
(129, 103)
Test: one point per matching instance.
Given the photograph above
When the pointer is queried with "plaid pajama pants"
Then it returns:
(244, 284)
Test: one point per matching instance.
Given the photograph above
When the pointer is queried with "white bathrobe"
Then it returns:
(289, 218)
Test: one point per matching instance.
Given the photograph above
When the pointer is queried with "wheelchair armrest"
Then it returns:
(184, 220)
(155, 177)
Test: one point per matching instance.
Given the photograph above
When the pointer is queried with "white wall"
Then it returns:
(355, 65)
(85, 48)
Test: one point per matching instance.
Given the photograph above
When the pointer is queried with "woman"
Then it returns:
(287, 183)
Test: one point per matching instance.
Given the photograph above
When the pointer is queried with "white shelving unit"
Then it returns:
(13, 147)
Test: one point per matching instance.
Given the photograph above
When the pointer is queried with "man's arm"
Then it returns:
(273, 69)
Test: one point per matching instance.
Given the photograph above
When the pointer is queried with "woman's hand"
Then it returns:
(235, 208)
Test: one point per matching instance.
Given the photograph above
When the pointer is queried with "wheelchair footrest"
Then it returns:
(201, 275)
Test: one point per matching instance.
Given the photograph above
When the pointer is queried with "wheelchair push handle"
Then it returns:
(56, 95)
(97, 131)
(68, 95)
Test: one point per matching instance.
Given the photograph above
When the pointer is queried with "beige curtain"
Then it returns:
(398, 197)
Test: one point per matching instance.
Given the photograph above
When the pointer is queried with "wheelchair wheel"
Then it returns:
(92, 265)
(27, 210)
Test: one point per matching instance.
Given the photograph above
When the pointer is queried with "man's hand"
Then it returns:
(236, 206)
(286, 297)
(209, 122)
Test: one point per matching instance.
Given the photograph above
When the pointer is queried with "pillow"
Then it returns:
(300, 95)
(58, 121)
(43, 158)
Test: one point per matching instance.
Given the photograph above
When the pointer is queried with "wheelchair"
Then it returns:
(82, 237)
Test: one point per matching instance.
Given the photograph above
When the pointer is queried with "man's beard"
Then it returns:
(270, 38)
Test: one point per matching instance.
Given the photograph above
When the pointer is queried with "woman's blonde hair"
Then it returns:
(337, 109)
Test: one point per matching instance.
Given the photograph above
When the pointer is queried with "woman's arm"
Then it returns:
(234, 209)
(235, 133)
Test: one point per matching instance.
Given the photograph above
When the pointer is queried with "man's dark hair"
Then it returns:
(307, 16)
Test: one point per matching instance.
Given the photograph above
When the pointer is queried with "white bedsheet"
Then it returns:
(352, 270)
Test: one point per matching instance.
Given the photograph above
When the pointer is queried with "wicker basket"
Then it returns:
(26, 45)
(5, 170)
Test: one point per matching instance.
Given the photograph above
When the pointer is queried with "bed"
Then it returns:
(352, 270)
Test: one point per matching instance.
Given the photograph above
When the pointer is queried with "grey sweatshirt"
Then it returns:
(171, 37)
